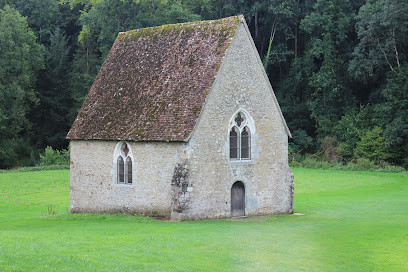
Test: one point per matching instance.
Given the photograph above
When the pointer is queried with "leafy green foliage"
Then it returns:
(331, 150)
(382, 28)
(360, 164)
(350, 127)
(36, 168)
(3, 3)
(105, 19)
(395, 106)
(330, 23)
(365, 164)
(373, 146)
(300, 140)
(84, 69)
(54, 157)
(43, 16)
(52, 112)
(20, 60)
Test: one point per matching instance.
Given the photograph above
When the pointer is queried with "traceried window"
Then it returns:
(124, 165)
(240, 138)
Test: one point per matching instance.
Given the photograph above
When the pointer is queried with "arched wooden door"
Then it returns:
(238, 199)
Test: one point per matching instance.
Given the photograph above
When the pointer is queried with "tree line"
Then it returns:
(338, 67)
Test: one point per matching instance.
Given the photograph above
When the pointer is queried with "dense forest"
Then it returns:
(338, 67)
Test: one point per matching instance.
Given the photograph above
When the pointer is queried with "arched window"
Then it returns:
(121, 170)
(245, 143)
(129, 170)
(240, 137)
(234, 143)
(124, 170)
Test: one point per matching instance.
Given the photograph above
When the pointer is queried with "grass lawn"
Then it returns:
(353, 221)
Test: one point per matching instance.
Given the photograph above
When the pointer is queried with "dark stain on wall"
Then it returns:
(180, 187)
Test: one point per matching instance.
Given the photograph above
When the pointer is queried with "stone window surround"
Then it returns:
(118, 152)
(249, 122)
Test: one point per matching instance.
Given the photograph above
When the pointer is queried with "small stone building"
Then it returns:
(182, 122)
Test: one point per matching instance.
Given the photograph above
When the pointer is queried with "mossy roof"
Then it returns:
(154, 82)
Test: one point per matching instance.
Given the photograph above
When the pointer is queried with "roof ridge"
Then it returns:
(185, 23)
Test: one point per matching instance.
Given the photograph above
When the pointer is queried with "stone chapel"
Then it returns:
(182, 123)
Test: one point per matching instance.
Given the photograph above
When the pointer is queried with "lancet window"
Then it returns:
(124, 165)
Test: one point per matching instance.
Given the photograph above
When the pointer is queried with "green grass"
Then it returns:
(353, 221)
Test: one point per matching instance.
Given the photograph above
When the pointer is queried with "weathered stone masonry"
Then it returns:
(192, 178)
(181, 188)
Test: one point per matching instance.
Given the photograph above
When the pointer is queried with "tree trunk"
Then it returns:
(296, 29)
(273, 30)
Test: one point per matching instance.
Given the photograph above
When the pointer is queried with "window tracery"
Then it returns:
(124, 165)
(240, 137)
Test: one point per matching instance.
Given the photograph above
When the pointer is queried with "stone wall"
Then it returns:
(268, 180)
(93, 178)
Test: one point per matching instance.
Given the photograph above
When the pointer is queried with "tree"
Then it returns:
(393, 112)
(373, 145)
(280, 15)
(328, 50)
(20, 60)
(85, 66)
(3, 3)
(51, 113)
(382, 28)
(105, 19)
(177, 12)
(380, 59)
(43, 16)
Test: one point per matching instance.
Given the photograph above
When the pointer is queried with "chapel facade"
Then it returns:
(182, 123)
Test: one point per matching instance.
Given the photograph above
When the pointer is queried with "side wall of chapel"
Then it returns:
(94, 187)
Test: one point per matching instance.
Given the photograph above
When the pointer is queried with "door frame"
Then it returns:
(244, 198)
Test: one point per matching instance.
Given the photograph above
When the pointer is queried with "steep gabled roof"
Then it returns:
(154, 82)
